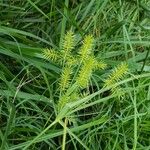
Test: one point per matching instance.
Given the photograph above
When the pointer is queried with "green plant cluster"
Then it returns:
(78, 67)
(84, 91)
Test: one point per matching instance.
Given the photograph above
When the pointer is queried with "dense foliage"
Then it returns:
(75, 74)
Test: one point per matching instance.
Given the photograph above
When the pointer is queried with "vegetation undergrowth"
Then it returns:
(84, 88)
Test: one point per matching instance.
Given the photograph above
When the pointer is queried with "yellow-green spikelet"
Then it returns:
(63, 101)
(66, 99)
(65, 78)
(68, 43)
(100, 65)
(85, 72)
(117, 74)
(86, 48)
(51, 54)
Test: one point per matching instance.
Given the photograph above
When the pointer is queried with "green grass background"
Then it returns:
(27, 82)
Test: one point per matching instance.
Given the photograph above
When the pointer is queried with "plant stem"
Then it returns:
(64, 135)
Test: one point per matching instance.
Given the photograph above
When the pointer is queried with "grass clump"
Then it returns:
(91, 92)
(78, 74)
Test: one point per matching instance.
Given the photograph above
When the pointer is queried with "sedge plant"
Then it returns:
(77, 67)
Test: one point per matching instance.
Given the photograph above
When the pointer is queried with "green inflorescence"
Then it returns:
(77, 68)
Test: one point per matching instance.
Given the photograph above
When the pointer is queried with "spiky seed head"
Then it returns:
(66, 99)
(65, 78)
(117, 74)
(85, 72)
(71, 61)
(68, 43)
(86, 48)
(74, 96)
(50, 54)
(100, 65)
(62, 102)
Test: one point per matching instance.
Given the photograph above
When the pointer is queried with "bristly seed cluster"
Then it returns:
(77, 68)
